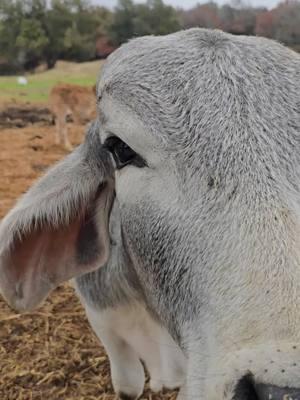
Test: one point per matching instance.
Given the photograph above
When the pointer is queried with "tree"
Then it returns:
(77, 46)
(204, 16)
(287, 23)
(31, 43)
(35, 31)
(155, 18)
(59, 19)
(132, 20)
(11, 14)
(89, 24)
(24, 37)
(227, 16)
(281, 23)
(122, 27)
(265, 24)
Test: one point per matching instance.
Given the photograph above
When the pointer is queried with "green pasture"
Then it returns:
(39, 84)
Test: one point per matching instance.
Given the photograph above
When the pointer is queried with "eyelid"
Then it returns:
(110, 140)
(111, 135)
(109, 144)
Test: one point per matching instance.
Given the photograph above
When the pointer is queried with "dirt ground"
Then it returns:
(52, 353)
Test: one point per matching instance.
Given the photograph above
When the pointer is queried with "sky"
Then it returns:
(191, 3)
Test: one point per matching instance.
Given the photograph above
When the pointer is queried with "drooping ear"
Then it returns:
(59, 228)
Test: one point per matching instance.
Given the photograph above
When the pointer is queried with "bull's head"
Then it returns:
(200, 143)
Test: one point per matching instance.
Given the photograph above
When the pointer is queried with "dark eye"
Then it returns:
(123, 155)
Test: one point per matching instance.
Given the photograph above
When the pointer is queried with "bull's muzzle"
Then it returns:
(247, 389)
(273, 392)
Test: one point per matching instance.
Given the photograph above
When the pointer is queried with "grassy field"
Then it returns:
(39, 84)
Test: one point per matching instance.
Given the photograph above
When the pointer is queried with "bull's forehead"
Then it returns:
(165, 80)
(162, 60)
(158, 78)
(202, 91)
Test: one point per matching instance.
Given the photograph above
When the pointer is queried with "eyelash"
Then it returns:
(122, 154)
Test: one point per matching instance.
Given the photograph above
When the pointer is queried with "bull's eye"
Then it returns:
(122, 154)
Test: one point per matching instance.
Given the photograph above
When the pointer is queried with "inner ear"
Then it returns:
(39, 247)
(77, 243)
(44, 253)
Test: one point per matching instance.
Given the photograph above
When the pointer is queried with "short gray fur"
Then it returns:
(208, 239)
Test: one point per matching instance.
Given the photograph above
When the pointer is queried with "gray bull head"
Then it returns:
(203, 131)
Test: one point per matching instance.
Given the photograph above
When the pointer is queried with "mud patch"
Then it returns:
(21, 116)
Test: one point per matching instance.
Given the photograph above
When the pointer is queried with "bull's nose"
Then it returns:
(273, 392)
(246, 389)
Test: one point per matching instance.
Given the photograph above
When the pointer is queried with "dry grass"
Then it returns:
(50, 354)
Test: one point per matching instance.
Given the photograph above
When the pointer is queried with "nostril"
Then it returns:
(268, 391)
(245, 389)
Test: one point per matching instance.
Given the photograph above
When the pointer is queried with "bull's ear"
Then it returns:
(59, 228)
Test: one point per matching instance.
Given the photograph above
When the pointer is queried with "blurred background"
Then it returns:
(51, 53)
(36, 33)
(43, 42)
